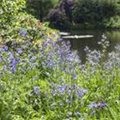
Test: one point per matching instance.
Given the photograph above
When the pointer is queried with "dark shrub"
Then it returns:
(69, 6)
(58, 20)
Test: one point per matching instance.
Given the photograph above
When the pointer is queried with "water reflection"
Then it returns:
(92, 43)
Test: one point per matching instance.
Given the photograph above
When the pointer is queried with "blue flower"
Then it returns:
(74, 77)
(68, 43)
(53, 93)
(5, 48)
(17, 60)
(86, 49)
(78, 113)
(13, 69)
(33, 58)
(11, 58)
(69, 91)
(62, 90)
(4, 68)
(36, 90)
(93, 105)
(22, 33)
(80, 94)
(19, 51)
(102, 104)
(60, 39)
(74, 85)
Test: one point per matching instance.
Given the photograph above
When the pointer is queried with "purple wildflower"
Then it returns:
(80, 94)
(68, 43)
(19, 51)
(33, 58)
(86, 48)
(74, 77)
(36, 90)
(4, 68)
(53, 93)
(78, 113)
(102, 104)
(74, 85)
(22, 33)
(69, 91)
(11, 58)
(60, 39)
(5, 48)
(13, 69)
(62, 90)
(93, 105)
(17, 60)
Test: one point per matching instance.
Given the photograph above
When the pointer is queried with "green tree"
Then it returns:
(95, 11)
(40, 8)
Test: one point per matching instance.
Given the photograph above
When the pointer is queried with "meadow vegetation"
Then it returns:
(42, 79)
(48, 81)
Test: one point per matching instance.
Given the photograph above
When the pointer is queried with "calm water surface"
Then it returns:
(79, 44)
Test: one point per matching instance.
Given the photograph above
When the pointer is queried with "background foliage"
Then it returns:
(104, 13)
(95, 12)
(40, 8)
(11, 12)
(14, 17)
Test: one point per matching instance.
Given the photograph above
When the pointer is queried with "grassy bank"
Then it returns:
(48, 81)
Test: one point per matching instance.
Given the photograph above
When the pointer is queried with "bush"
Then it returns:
(40, 8)
(58, 20)
(14, 19)
(11, 11)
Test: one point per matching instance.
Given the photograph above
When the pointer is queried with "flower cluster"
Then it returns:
(49, 78)
(8, 59)
(99, 105)
(93, 57)
(22, 33)
(73, 92)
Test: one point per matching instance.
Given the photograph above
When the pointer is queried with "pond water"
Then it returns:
(79, 44)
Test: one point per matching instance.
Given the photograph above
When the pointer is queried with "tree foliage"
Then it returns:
(40, 8)
(95, 11)
(10, 13)
(90, 13)
(61, 16)
(9, 10)
(58, 20)
(14, 18)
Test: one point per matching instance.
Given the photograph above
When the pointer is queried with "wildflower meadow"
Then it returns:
(42, 78)
(47, 81)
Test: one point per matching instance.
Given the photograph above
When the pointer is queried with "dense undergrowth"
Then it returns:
(48, 82)
(42, 79)
(14, 17)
